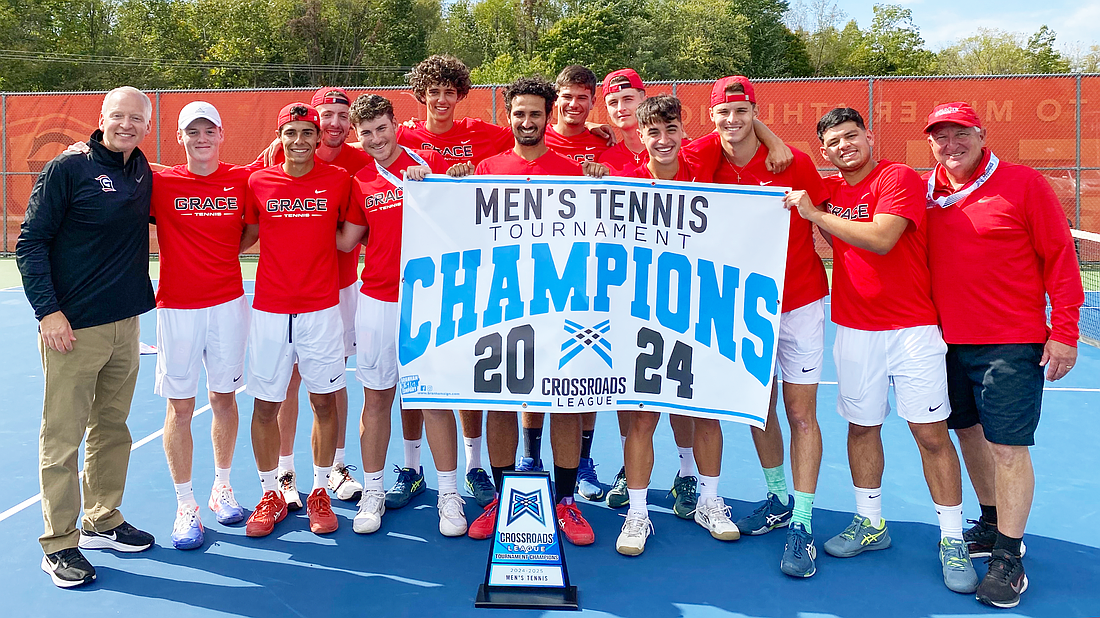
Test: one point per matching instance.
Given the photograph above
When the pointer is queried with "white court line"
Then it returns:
(142, 442)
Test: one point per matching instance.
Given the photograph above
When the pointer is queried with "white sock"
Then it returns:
(708, 488)
(372, 480)
(286, 462)
(687, 461)
(623, 439)
(448, 482)
(473, 453)
(320, 476)
(412, 454)
(184, 494)
(338, 459)
(869, 504)
(268, 482)
(221, 477)
(637, 501)
(951, 521)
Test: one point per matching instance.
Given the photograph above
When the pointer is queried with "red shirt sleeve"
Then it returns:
(807, 178)
(1049, 231)
(503, 140)
(902, 193)
(251, 206)
(435, 161)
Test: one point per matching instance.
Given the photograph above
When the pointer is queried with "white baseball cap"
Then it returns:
(199, 109)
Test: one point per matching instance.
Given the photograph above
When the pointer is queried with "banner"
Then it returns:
(553, 294)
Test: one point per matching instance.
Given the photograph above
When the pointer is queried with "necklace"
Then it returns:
(738, 170)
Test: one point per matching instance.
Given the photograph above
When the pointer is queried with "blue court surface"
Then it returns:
(408, 569)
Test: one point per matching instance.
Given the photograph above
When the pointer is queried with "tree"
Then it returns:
(1042, 57)
(895, 44)
(989, 52)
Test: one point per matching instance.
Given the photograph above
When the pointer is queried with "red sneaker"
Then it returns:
(482, 527)
(573, 526)
(270, 511)
(321, 518)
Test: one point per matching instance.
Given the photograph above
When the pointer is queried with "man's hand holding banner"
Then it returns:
(555, 294)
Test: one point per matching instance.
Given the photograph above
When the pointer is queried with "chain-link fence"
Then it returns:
(1044, 121)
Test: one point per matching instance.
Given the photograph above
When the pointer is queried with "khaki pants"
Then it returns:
(90, 388)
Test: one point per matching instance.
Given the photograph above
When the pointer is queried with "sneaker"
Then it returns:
(452, 519)
(858, 537)
(409, 483)
(371, 508)
(270, 511)
(799, 553)
(714, 515)
(480, 487)
(225, 507)
(528, 464)
(636, 529)
(343, 484)
(686, 491)
(1004, 582)
(588, 485)
(981, 537)
(617, 497)
(769, 515)
(289, 490)
(958, 571)
(482, 527)
(68, 568)
(572, 524)
(321, 518)
(123, 537)
(187, 533)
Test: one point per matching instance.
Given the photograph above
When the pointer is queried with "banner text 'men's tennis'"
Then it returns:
(576, 294)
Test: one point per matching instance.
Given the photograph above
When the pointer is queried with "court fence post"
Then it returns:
(871, 103)
(1077, 171)
(4, 163)
(158, 125)
(493, 90)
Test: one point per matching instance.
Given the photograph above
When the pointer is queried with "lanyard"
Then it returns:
(388, 175)
(949, 200)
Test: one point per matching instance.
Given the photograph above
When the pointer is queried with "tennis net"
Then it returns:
(1088, 254)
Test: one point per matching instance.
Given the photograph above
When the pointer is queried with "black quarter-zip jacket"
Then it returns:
(83, 247)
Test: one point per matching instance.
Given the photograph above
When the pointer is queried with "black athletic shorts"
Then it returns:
(999, 386)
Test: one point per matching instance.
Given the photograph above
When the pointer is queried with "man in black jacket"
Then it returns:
(83, 253)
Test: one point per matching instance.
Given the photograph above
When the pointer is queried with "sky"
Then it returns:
(942, 22)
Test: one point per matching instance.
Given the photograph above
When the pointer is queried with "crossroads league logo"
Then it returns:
(525, 504)
(581, 337)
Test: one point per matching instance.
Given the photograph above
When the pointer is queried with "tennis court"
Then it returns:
(408, 569)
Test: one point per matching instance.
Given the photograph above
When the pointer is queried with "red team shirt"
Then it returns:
(805, 281)
(687, 172)
(584, 146)
(996, 254)
(470, 140)
(621, 160)
(199, 224)
(298, 218)
(377, 204)
(511, 164)
(352, 160)
(882, 292)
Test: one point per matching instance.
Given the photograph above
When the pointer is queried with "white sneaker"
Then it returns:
(343, 484)
(289, 490)
(714, 515)
(636, 529)
(452, 519)
(371, 508)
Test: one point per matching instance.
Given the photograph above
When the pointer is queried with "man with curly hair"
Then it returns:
(440, 82)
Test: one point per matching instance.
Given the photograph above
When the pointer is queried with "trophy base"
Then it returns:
(515, 597)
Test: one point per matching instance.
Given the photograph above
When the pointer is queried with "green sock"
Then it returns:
(803, 509)
(777, 482)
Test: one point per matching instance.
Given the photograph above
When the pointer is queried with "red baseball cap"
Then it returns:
(630, 74)
(311, 115)
(958, 112)
(330, 96)
(718, 91)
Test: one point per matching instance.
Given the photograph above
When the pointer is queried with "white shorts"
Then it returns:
(867, 362)
(376, 349)
(188, 339)
(313, 340)
(801, 350)
(349, 297)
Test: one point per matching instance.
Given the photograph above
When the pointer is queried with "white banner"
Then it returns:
(553, 294)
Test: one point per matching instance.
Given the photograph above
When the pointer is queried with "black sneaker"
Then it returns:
(981, 537)
(122, 537)
(68, 568)
(1004, 582)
